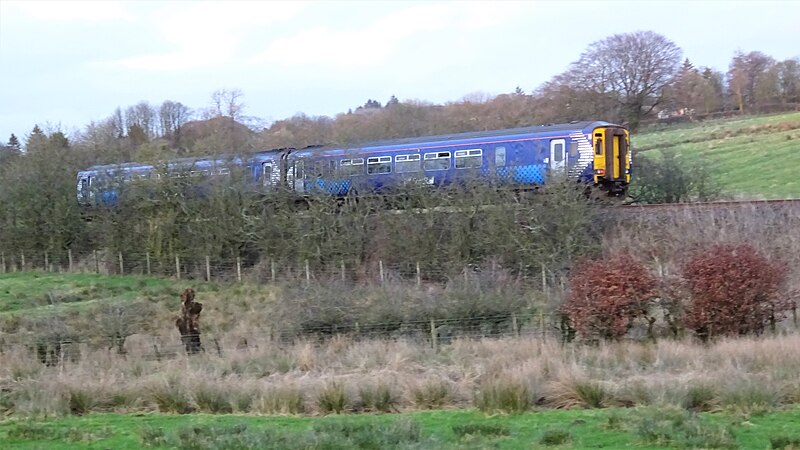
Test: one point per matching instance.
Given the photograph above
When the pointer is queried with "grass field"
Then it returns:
(31, 291)
(611, 428)
(751, 157)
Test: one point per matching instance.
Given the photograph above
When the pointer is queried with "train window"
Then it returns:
(266, 174)
(466, 159)
(350, 167)
(558, 152)
(573, 150)
(436, 161)
(500, 156)
(407, 163)
(598, 146)
(319, 168)
(379, 164)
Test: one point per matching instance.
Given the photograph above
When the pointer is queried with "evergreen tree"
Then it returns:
(13, 143)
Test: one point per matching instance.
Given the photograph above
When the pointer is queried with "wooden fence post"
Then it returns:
(544, 279)
(308, 274)
(208, 269)
(177, 267)
(238, 269)
(96, 262)
(147, 261)
(434, 337)
(3, 261)
(514, 324)
(272, 269)
(380, 265)
(121, 266)
(419, 275)
(69, 257)
(22, 255)
(46, 262)
(541, 326)
(344, 276)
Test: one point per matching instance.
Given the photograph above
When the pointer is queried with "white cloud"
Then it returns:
(369, 46)
(91, 11)
(376, 43)
(202, 34)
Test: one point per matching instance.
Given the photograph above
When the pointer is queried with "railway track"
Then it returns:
(792, 203)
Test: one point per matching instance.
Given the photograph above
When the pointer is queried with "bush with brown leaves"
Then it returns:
(607, 295)
(734, 290)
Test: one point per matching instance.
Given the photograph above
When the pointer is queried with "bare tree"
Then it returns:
(172, 116)
(743, 73)
(142, 118)
(630, 69)
(227, 103)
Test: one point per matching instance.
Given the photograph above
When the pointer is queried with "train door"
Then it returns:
(297, 176)
(500, 157)
(85, 193)
(558, 156)
(269, 176)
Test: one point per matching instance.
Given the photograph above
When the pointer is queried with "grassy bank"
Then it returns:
(751, 157)
(645, 428)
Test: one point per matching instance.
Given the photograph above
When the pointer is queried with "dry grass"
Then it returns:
(341, 375)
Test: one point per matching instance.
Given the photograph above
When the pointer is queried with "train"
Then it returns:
(594, 153)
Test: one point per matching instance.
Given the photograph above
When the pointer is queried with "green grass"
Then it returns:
(574, 429)
(38, 291)
(751, 157)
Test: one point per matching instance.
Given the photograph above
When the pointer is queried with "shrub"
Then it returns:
(503, 396)
(481, 429)
(333, 399)
(579, 393)
(555, 436)
(378, 398)
(606, 295)
(678, 428)
(734, 291)
(700, 397)
(431, 394)
(784, 442)
(170, 396)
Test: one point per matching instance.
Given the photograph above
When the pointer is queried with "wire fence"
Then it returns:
(260, 270)
(57, 343)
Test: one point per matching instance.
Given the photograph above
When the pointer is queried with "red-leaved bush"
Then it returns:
(734, 291)
(606, 295)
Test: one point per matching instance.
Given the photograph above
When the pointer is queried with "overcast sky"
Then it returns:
(64, 64)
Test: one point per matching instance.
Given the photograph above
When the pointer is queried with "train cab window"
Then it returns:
(350, 167)
(379, 164)
(436, 161)
(466, 159)
(500, 156)
(598, 146)
(407, 163)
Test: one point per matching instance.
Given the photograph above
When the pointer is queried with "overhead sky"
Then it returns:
(64, 64)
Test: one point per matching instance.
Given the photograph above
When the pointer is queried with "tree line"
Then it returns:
(626, 78)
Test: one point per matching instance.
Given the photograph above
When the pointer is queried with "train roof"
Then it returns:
(457, 138)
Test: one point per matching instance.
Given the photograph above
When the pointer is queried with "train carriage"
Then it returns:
(593, 152)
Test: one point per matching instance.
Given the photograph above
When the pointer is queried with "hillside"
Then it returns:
(751, 157)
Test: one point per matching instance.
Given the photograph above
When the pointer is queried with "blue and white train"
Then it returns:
(595, 153)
